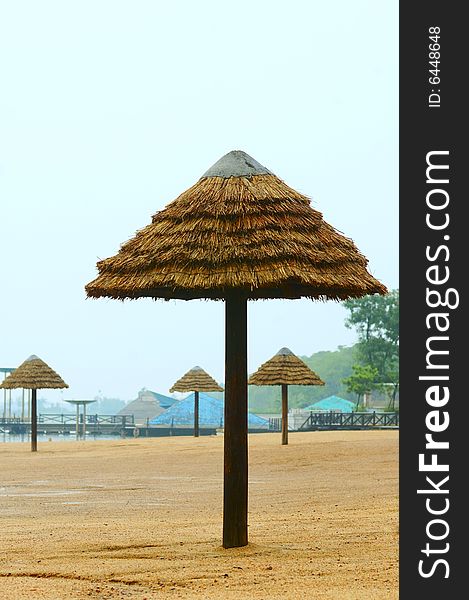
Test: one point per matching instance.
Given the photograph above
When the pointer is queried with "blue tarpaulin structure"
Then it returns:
(211, 413)
(332, 403)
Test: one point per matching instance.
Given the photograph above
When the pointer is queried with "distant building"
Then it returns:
(380, 400)
(147, 406)
(211, 414)
(334, 403)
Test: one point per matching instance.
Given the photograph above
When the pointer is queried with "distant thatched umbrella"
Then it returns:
(239, 233)
(285, 368)
(196, 380)
(34, 374)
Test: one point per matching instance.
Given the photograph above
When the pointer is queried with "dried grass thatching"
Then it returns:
(284, 368)
(34, 374)
(196, 380)
(239, 227)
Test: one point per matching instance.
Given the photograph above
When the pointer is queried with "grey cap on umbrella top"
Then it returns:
(284, 352)
(236, 164)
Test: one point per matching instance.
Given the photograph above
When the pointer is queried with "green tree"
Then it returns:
(376, 320)
(362, 381)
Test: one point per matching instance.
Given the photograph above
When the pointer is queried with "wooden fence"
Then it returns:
(340, 420)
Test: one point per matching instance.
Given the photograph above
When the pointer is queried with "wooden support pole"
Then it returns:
(196, 414)
(284, 414)
(77, 424)
(33, 421)
(235, 488)
(22, 405)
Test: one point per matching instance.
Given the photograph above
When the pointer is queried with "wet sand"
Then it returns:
(142, 519)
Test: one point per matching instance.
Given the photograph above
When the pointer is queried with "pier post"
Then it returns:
(84, 420)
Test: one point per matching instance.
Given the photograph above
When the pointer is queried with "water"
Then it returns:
(53, 437)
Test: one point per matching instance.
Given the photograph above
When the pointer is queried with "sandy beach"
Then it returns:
(141, 518)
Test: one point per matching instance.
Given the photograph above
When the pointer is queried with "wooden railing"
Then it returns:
(354, 420)
(340, 420)
(275, 423)
(70, 419)
(90, 419)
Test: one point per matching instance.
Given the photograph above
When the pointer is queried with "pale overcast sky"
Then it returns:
(110, 109)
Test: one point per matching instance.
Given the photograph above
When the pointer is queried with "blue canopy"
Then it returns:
(211, 412)
(332, 403)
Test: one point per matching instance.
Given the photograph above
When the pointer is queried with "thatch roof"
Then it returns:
(147, 406)
(34, 373)
(285, 368)
(196, 380)
(239, 227)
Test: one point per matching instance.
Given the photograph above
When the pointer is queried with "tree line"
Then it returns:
(376, 320)
(349, 372)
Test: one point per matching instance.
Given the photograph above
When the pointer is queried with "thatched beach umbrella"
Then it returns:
(285, 368)
(239, 233)
(34, 374)
(196, 380)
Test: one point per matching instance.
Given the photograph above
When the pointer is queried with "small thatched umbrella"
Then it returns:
(239, 233)
(285, 368)
(196, 380)
(34, 374)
